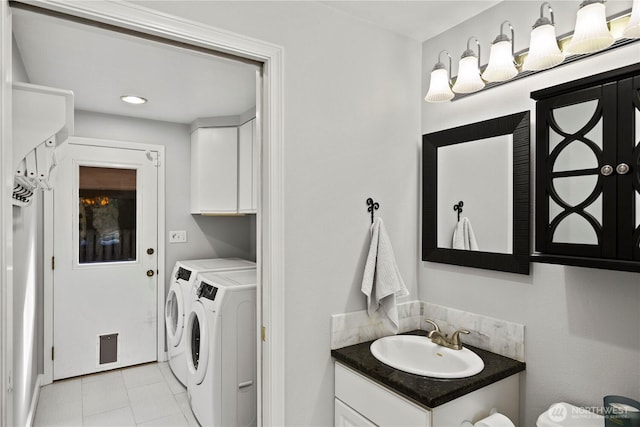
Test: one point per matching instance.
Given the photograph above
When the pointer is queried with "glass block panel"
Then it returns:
(107, 215)
(637, 130)
(574, 117)
(575, 229)
(595, 209)
(554, 210)
(554, 139)
(637, 210)
(576, 155)
(574, 190)
(595, 134)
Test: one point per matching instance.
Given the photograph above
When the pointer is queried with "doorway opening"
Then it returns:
(268, 227)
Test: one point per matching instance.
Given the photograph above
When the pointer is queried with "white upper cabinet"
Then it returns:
(247, 168)
(223, 170)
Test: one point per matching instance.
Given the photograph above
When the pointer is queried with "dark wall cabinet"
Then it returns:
(588, 171)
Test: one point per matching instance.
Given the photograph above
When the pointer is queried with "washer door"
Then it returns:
(174, 314)
(198, 342)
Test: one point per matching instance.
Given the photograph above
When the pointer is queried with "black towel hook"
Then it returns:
(373, 206)
(458, 207)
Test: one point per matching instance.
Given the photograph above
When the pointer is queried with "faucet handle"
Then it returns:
(455, 338)
(436, 328)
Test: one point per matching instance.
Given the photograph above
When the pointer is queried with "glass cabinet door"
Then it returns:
(628, 168)
(576, 140)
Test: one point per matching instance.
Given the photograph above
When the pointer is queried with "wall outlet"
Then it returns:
(178, 236)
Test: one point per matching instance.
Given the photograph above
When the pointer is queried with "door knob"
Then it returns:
(622, 168)
(606, 170)
(150, 273)
(150, 251)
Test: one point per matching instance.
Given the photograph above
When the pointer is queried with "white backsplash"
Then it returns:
(495, 335)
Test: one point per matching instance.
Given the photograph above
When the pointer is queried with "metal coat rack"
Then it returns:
(373, 206)
(458, 207)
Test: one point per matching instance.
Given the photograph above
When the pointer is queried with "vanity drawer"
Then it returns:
(375, 402)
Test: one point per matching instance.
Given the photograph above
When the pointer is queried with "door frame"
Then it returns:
(270, 217)
(6, 219)
(49, 227)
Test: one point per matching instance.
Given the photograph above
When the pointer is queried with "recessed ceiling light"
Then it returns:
(133, 99)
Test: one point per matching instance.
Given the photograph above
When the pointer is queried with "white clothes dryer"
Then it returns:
(178, 304)
(221, 350)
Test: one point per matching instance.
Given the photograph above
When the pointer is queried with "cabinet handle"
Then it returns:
(606, 170)
(622, 168)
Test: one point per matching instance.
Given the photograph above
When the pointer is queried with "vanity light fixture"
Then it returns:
(501, 65)
(543, 48)
(440, 85)
(133, 99)
(469, 80)
(632, 30)
(592, 33)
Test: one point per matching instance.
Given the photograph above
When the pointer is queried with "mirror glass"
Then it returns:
(480, 174)
(480, 171)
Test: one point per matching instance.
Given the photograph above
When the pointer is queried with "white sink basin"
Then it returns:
(418, 355)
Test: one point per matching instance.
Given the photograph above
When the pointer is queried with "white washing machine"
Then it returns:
(221, 350)
(178, 304)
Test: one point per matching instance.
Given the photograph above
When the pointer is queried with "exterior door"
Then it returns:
(105, 254)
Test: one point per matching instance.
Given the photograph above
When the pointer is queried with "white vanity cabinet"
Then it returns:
(223, 170)
(360, 401)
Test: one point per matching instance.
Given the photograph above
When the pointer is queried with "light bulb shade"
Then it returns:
(632, 30)
(439, 88)
(591, 33)
(501, 66)
(468, 80)
(543, 50)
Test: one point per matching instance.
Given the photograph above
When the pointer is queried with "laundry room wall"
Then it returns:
(28, 278)
(207, 237)
(351, 131)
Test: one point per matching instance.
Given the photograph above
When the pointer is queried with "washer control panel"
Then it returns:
(207, 291)
(183, 274)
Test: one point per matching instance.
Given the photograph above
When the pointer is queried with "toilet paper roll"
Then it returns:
(495, 420)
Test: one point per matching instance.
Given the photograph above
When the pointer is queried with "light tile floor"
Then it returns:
(145, 395)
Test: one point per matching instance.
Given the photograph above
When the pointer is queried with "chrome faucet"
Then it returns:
(436, 336)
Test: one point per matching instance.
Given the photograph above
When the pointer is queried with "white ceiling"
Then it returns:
(182, 85)
(418, 19)
(99, 66)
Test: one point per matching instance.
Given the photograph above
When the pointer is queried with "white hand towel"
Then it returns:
(463, 237)
(382, 281)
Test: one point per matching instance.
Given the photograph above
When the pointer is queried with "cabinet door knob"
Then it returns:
(622, 168)
(606, 170)
(150, 273)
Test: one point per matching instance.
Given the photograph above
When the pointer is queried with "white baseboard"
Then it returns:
(31, 416)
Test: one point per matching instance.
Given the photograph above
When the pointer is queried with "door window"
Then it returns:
(195, 342)
(173, 313)
(107, 215)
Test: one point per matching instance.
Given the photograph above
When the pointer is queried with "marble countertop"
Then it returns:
(426, 391)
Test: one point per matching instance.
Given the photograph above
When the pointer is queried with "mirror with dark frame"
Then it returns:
(475, 195)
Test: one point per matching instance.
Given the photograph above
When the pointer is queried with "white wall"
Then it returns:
(582, 325)
(208, 237)
(352, 111)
